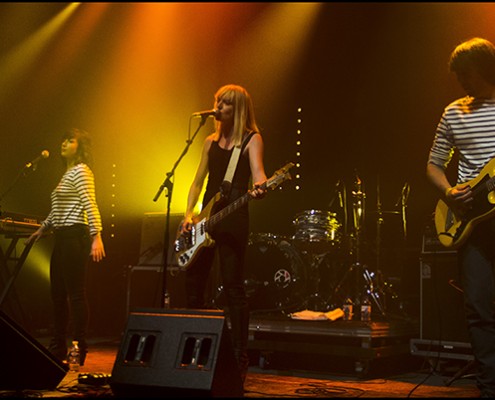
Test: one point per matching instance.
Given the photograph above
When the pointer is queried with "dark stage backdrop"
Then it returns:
(371, 79)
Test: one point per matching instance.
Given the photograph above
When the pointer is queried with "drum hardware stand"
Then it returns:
(403, 201)
(360, 270)
(341, 193)
(379, 222)
(382, 285)
(314, 298)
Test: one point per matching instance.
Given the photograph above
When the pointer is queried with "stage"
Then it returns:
(361, 343)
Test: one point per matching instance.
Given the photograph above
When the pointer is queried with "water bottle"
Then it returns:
(74, 357)
(366, 308)
(166, 300)
(347, 308)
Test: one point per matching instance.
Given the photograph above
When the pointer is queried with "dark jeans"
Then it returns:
(68, 282)
(476, 261)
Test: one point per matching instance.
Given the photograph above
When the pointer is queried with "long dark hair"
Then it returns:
(84, 148)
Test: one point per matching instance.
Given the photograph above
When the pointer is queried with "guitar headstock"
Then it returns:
(279, 176)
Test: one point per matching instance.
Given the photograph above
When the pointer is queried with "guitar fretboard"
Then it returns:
(214, 219)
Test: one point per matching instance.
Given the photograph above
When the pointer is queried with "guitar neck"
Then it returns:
(279, 176)
(230, 208)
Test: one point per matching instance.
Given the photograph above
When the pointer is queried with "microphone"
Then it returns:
(205, 114)
(34, 164)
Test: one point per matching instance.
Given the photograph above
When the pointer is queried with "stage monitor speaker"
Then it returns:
(26, 363)
(442, 315)
(176, 353)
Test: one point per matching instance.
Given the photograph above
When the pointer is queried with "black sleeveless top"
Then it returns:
(218, 161)
(235, 224)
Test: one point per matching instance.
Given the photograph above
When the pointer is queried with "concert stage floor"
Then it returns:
(300, 358)
(410, 380)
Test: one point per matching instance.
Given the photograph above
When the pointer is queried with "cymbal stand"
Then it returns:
(316, 301)
(378, 244)
(403, 201)
(361, 272)
(379, 223)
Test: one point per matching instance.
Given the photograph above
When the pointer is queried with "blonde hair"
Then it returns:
(244, 119)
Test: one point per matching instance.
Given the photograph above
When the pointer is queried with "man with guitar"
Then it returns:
(235, 127)
(463, 217)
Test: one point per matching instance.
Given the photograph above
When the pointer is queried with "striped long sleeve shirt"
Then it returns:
(468, 126)
(73, 201)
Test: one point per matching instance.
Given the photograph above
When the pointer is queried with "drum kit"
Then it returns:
(319, 266)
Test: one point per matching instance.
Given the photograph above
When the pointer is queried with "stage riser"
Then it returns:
(359, 342)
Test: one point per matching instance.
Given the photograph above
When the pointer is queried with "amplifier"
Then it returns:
(153, 236)
(441, 299)
(441, 349)
(431, 244)
(145, 283)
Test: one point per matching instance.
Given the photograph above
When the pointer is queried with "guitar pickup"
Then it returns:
(183, 242)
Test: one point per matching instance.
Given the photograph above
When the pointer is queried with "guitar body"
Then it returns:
(453, 230)
(189, 245)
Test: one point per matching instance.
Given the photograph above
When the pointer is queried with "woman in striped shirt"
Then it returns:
(76, 222)
(468, 127)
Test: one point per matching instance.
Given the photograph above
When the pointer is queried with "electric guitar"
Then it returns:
(188, 245)
(453, 229)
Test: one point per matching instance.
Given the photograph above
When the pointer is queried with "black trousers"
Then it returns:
(231, 249)
(68, 274)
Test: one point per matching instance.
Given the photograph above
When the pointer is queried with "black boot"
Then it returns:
(239, 318)
(242, 359)
(83, 351)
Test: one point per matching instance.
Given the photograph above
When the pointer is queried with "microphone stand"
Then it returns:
(20, 260)
(23, 172)
(167, 183)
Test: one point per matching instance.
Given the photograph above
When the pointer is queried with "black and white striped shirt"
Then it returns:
(74, 201)
(468, 126)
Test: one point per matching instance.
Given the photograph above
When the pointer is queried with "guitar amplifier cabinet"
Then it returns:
(441, 301)
(153, 235)
(144, 287)
(443, 326)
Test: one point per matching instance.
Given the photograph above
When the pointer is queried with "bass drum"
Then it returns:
(275, 277)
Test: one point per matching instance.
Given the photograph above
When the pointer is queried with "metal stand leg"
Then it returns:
(462, 372)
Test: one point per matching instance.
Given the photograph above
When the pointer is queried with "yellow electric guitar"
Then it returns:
(188, 246)
(452, 229)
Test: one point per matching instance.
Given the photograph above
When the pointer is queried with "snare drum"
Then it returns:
(316, 230)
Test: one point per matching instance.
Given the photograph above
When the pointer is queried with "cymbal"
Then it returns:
(385, 212)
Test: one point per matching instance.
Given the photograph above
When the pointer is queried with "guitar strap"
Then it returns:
(234, 160)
